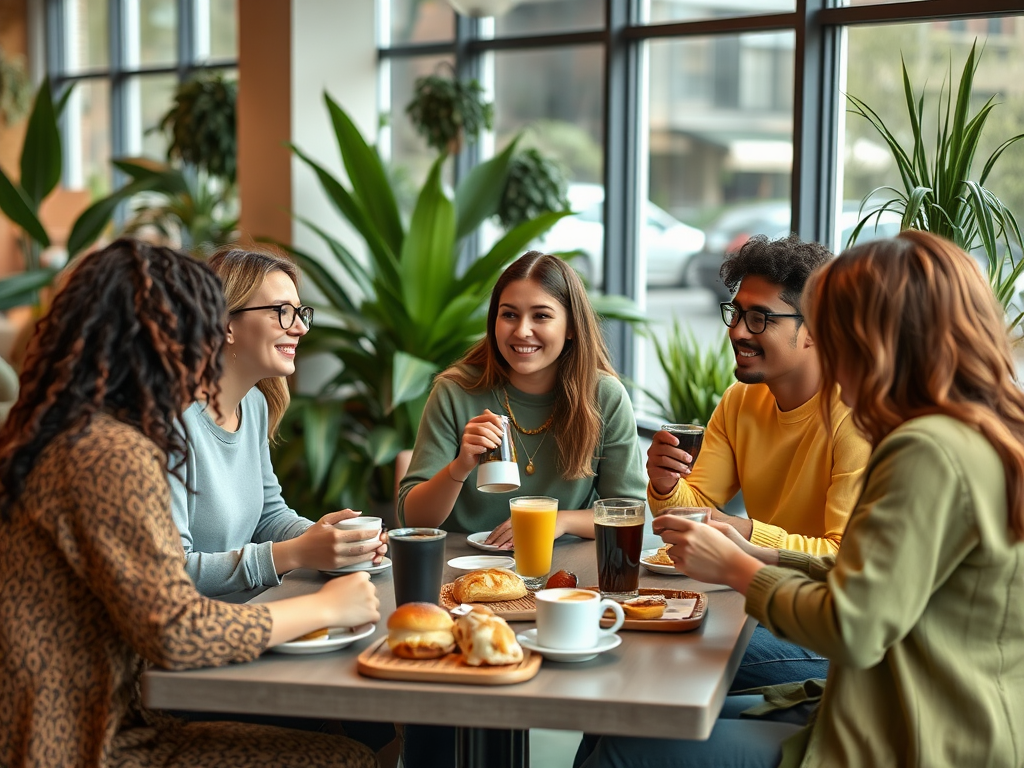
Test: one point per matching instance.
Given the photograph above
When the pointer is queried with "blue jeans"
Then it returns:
(770, 661)
(734, 743)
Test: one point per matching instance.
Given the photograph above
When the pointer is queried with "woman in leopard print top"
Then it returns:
(92, 579)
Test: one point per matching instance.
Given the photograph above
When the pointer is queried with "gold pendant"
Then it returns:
(529, 467)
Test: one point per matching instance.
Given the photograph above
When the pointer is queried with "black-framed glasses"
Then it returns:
(286, 314)
(755, 319)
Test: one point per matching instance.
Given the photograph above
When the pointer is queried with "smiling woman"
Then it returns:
(236, 529)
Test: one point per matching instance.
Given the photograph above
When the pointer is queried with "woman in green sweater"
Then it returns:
(922, 610)
(544, 364)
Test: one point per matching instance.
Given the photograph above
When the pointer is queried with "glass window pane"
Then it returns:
(148, 99)
(534, 18)
(555, 97)
(417, 21)
(88, 144)
(664, 11)
(151, 32)
(88, 42)
(223, 29)
(411, 158)
(720, 161)
(928, 49)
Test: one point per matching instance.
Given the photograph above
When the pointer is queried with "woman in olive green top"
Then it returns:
(922, 609)
(544, 364)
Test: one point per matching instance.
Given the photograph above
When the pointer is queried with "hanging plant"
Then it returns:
(446, 111)
(15, 88)
(535, 185)
(201, 125)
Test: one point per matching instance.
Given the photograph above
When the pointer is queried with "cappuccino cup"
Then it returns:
(570, 619)
(369, 528)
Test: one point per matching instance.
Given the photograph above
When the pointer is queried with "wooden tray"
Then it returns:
(520, 609)
(378, 661)
(696, 618)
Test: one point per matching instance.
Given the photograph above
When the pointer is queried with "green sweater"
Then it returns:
(618, 470)
(921, 611)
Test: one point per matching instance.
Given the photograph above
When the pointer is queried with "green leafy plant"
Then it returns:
(446, 110)
(391, 323)
(938, 194)
(185, 207)
(696, 376)
(40, 166)
(201, 125)
(15, 88)
(535, 185)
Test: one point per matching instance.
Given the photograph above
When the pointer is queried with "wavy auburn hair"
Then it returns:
(912, 321)
(577, 417)
(135, 331)
(242, 272)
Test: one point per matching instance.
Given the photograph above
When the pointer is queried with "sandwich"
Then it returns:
(488, 586)
(420, 631)
(485, 638)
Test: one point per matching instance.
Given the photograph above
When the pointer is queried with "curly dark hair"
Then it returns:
(787, 261)
(135, 331)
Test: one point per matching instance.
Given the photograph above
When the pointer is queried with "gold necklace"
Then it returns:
(529, 466)
(512, 416)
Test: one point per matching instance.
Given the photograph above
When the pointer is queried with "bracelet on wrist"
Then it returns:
(453, 477)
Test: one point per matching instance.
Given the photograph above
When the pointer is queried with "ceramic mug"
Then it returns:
(370, 528)
(570, 619)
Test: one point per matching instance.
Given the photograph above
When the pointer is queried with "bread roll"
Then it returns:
(488, 586)
(645, 607)
(485, 638)
(420, 631)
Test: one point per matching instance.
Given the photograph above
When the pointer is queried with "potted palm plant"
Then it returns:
(939, 192)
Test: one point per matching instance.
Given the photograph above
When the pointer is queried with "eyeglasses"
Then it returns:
(756, 320)
(286, 314)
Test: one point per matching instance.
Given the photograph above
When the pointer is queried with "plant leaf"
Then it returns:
(17, 207)
(320, 423)
(90, 224)
(411, 377)
(41, 153)
(429, 251)
(383, 444)
(23, 288)
(478, 195)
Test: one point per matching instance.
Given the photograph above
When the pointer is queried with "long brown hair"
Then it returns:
(913, 322)
(577, 417)
(243, 272)
(135, 330)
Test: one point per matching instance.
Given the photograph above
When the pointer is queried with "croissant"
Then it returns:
(485, 638)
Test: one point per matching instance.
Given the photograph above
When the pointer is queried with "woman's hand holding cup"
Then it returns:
(481, 434)
(706, 552)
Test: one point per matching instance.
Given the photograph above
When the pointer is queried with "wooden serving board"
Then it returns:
(520, 609)
(378, 661)
(695, 619)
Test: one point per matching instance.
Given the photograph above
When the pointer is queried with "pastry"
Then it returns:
(485, 638)
(661, 558)
(487, 586)
(645, 607)
(420, 631)
(316, 634)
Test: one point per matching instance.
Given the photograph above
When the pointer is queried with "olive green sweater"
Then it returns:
(618, 466)
(921, 611)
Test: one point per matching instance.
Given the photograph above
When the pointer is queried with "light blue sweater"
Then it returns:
(230, 510)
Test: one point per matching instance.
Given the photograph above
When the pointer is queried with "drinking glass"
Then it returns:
(417, 560)
(690, 437)
(533, 534)
(619, 533)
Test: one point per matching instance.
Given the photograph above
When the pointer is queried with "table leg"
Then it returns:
(491, 748)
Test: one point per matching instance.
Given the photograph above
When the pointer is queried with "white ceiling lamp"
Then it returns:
(481, 8)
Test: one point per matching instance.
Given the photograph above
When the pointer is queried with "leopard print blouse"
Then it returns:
(92, 588)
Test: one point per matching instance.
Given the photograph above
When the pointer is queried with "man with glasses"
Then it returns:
(767, 437)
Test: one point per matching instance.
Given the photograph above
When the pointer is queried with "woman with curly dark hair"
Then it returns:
(92, 578)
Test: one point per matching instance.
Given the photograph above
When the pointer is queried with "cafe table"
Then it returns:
(655, 684)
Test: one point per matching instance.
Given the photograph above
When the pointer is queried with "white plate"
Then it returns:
(384, 565)
(477, 540)
(476, 562)
(337, 637)
(666, 570)
(528, 639)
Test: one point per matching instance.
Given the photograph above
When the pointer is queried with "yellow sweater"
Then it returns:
(799, 483)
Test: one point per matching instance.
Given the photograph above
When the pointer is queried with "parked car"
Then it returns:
(772, 218)
(667, 242)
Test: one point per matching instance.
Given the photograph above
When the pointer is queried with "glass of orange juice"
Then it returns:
(533, 534)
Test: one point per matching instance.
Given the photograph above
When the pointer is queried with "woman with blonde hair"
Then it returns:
(237, 530)
(544, 364)
(922, 609)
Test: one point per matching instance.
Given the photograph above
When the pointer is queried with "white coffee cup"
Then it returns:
(497, 477)
(370, 528)
(570, 619)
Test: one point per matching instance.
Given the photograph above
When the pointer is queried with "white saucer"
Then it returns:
(384, 565)
(337, 637)
(477, 540)
(476, 562)
(665, 570)
(528, 639)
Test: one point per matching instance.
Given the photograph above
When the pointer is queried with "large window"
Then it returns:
(703, 122)
(123, 83)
